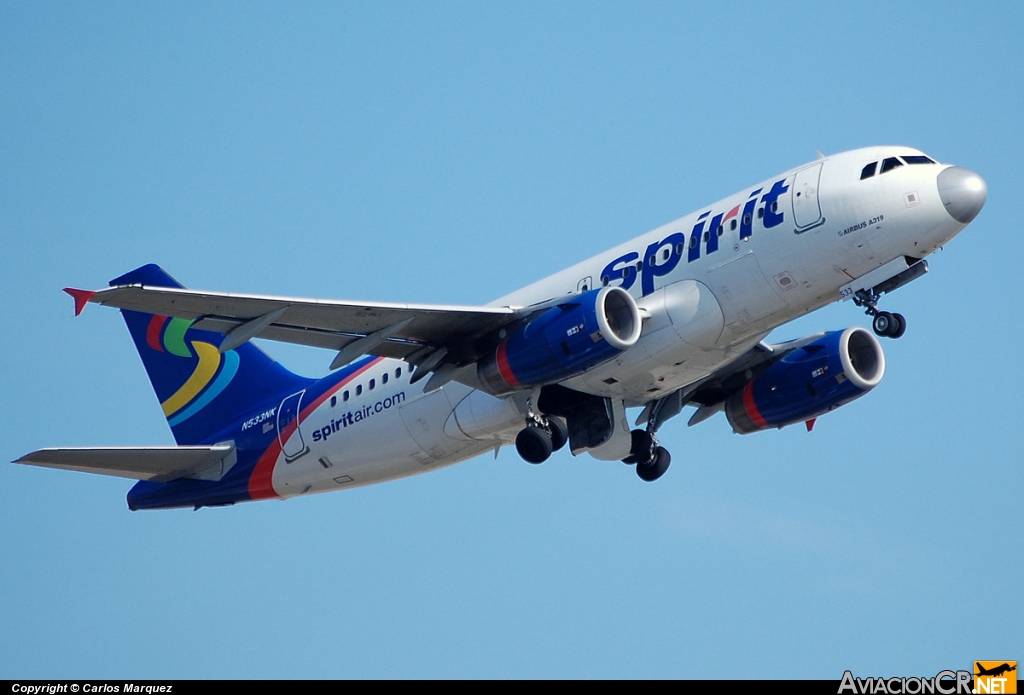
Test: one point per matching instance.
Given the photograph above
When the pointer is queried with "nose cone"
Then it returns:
(962, 192)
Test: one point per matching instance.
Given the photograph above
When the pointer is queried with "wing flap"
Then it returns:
(157, 463)
(310, 337)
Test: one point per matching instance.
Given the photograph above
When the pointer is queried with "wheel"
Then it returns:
(640, 446)
(559, 433)
(901, 325)
(534, 445)
(882, 323)
(650, 471)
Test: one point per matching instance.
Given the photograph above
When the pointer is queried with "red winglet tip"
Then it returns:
(81, 298)
(810, 423)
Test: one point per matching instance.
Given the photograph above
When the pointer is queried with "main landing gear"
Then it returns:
(592, 423)
(884, 323)
(650, 459)
(541, 436)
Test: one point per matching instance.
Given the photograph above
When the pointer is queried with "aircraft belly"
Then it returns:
(481, 416)
(368, 472)
(425, 419)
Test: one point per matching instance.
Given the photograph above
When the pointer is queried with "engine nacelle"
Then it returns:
(564, 341)
(835, 369)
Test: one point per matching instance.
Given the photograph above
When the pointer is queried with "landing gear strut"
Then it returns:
(650, 459)
(885, 324)
(541, 436)
(545, 433)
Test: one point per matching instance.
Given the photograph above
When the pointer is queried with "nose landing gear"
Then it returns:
(884, 323)
(889, 325)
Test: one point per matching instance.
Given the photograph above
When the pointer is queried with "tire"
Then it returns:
(882, 324)
(533, 445)
(639, 448)
(901, 323)
(651, 471)
(559, 433)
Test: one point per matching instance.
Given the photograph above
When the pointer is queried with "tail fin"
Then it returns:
(201, 390)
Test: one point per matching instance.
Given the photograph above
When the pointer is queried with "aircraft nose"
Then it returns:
(962, 192)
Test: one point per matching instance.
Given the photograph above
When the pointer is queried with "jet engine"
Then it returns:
(810, 381)
(562, 342)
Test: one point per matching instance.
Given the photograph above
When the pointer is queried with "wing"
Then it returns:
(428, 336)
(159, 463)
(709, 394)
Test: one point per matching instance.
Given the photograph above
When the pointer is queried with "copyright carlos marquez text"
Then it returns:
(54, 688)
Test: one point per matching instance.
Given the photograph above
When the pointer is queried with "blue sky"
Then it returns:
(450, 153)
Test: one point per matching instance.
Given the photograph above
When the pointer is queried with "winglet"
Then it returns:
(81, 298)
(810, 423)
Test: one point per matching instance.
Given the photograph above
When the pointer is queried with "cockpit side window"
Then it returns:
(868, 171)
(917, 159)
(890, 163)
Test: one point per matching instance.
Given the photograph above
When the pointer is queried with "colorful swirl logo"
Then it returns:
(211, 376)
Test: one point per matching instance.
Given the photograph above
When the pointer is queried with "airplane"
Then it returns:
(994, 671)
(674, 318)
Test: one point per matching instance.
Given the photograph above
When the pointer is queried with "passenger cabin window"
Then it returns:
(868, 171)
(359, 390)
(384, 378)
(890, 163)
(917, 159)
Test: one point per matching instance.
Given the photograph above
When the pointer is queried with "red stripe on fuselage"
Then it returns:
(751, 407)
(501, 359)
(261, 482)
(156, 325)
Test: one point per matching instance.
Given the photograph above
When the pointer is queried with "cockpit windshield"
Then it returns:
(890, 163)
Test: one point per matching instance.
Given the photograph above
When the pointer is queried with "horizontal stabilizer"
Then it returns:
(157, 463)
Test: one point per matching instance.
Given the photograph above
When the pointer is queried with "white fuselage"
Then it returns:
(706, 296)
